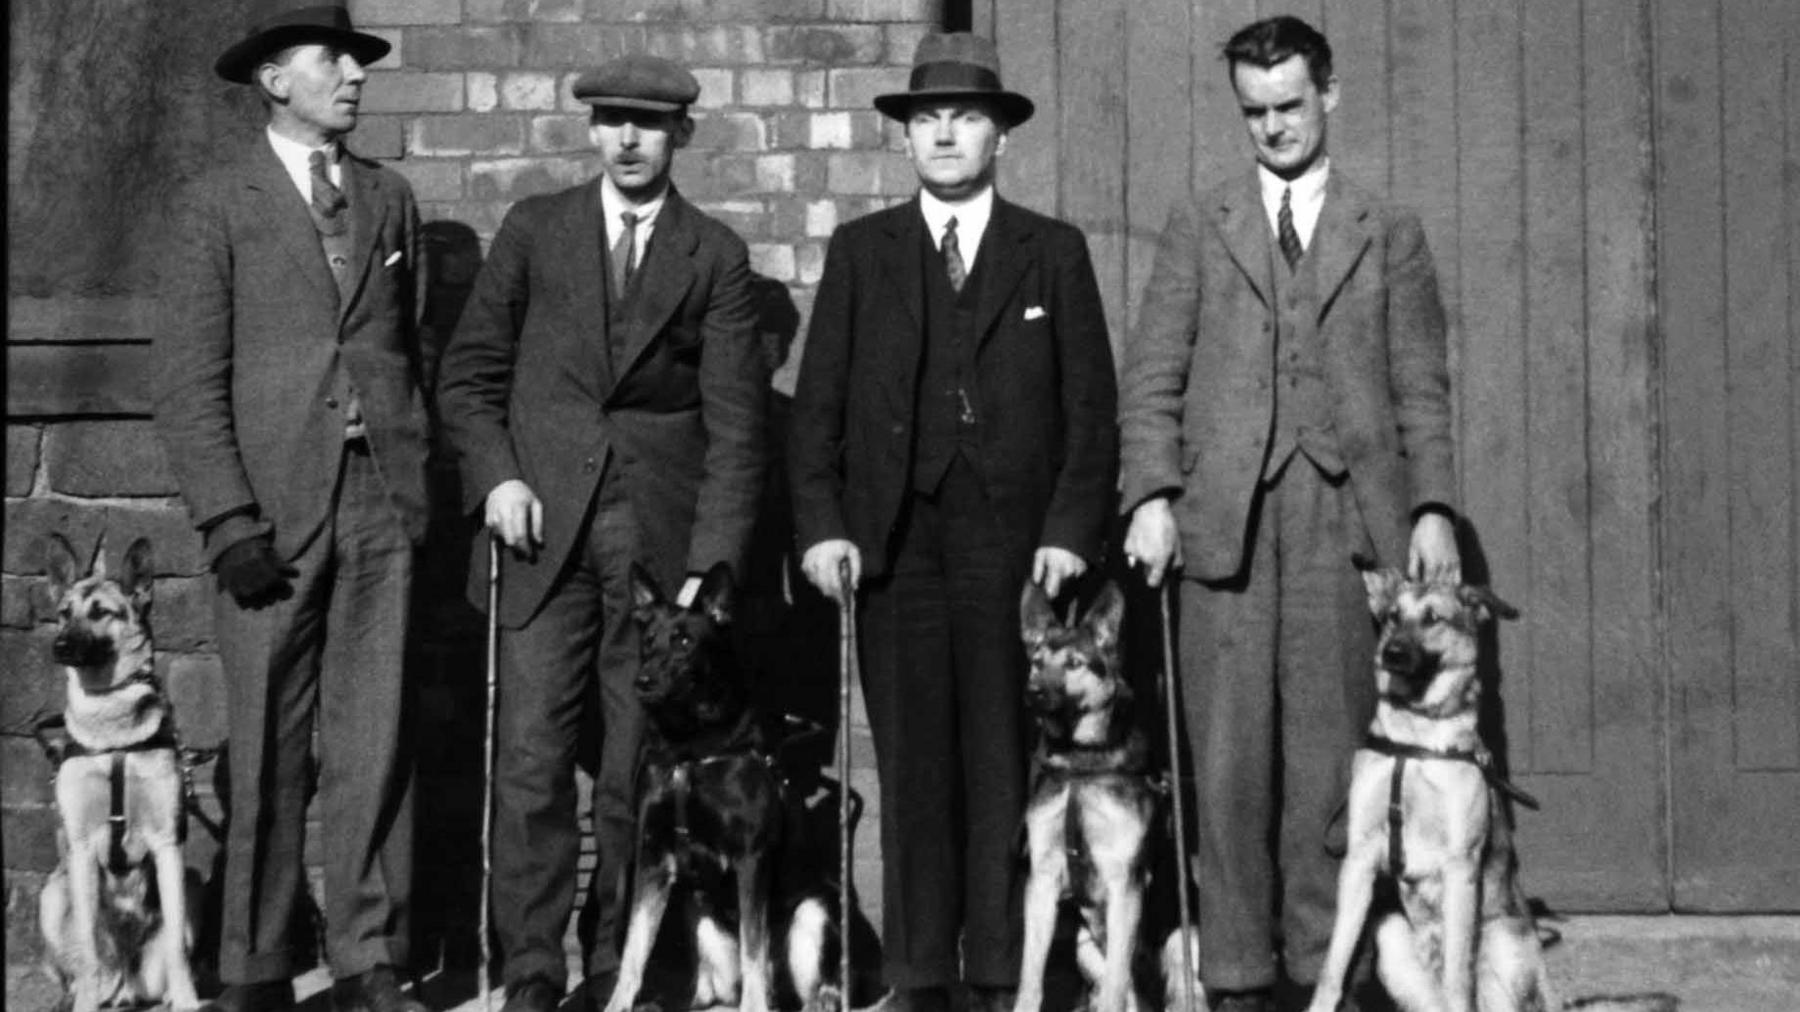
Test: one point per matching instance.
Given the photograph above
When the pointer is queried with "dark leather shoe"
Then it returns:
(377, 990)
(983, 998)
(533, 994)
(921, 999)
(262, 996)
(1241, 1001)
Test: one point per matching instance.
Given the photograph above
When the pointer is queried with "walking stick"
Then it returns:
(1176, 794)
(846, 670)
(487, 765)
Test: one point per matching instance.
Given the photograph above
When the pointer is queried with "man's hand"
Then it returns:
(1153, 540)
(253, 573)
(690, 589)
(1051, 567)
(1433, 556)
(516, 516)
(820, 564)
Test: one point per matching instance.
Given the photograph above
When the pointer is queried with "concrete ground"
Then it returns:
(1707, 964)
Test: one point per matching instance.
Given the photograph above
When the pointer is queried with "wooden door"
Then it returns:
(1520, 129)
(1728, 202)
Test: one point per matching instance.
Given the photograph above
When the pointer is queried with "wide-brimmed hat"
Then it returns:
(956, 65)
(279, 24)
(639, 81)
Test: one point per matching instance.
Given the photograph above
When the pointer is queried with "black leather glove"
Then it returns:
(252, 573)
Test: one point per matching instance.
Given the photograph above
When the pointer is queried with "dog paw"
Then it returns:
(828, 999)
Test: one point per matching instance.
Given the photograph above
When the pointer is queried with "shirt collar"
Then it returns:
(296, 158)
(971, 219)
(1309, 186)
(613, 204)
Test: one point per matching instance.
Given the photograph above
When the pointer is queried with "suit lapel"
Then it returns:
(1007, 252)
(582, 234)
(900, 261)
(667, 272)
(275, 196)
(1244, 226)
(368, 211)
(1339, 239)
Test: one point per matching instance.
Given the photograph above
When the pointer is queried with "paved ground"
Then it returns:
(1708, 964)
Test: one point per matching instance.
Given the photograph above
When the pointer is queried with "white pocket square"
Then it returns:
(1035, 313)
(393, 258)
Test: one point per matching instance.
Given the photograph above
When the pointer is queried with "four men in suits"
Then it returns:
(288, 397)
(1284, 404)
(606, 397)
(953, 436)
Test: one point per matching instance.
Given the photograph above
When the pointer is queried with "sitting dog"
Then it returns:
(712, 817)
(115, 911)
(1429, 857)
(1091, 806)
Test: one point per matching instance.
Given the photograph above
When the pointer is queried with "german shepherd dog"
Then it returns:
(1092, 804)
(115, 911)
(1430, 862)
(713, 818)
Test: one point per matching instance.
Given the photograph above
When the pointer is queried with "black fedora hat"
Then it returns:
(279, 24)
(956, 65)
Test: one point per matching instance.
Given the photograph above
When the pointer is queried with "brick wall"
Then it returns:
(473, 106)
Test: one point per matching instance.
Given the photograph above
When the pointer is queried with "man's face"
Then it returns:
(317, 89)
(1285, 113)
(637, 146)
(953, 146)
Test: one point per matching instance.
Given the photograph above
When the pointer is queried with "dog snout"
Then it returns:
(81, 649)
(1402, 657)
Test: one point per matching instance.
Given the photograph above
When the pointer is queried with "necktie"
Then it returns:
(327, 200)
(953, 261)
(1284, 226)
(624, 251)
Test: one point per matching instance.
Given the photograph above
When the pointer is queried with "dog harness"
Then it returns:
(1478, 757)
(117, 861)
(1122, 760)
(681, 780)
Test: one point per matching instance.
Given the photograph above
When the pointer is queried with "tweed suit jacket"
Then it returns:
(1197, 395)
(1045, 388)
(257, 352)
(527, 389)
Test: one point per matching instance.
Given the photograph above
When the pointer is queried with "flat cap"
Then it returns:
(639, 82)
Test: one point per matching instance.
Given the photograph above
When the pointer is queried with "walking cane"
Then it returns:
(846, 670)
(487, 765)
(1176, 794)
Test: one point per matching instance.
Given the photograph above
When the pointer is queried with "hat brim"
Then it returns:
(1013, 107)
(240, 61)
(617, 102)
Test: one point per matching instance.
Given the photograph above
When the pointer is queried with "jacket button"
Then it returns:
(588, 464)
(331, 402)
(899, 428)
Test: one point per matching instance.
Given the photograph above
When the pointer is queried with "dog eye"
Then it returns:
(682, 639)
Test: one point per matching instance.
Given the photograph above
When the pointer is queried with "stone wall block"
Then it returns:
(829, 45)
(464, 47)
(115, 458)
(182, 613)
(196, 685)
(560, 134)
(578, 46)
(730, 131)
(379, 137)
(26, 782)
(433, 180)
(405, 12)
(528, 90)
(32, 684)
(511, 179)
(22, 442)
(405, 91)
(857, 87)
(705, 44)
(468, 134)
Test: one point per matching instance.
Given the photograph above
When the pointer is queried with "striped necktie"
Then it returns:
(953, 261)
(328, 201)
(624, 251)
(1284, 227)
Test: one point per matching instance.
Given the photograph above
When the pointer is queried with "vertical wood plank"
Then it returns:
(1091, 91)
(1555, 393)
(1221, 149)
(1361, 126)
(1159, 132)
(1758, 375)
(1025, 32)
(1492, 448)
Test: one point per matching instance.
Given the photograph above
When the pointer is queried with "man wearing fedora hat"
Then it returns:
(288, 399)
(606, 396)
(952, 437)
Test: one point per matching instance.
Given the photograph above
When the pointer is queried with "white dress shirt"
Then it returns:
(971, 221)
(613, 204)
(1306, 203)
(296, 158)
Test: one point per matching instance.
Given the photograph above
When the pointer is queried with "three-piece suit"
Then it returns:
(1295, 415)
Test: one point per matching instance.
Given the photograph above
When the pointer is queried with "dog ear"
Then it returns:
(718, 592)
(60, 563)
(1485, 603)
(136, 574)
(1036, 616)
(1382, 584)
(1106, 615)
(644, 591)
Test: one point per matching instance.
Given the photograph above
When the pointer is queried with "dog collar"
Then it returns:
(1479, 757)
(142, 676)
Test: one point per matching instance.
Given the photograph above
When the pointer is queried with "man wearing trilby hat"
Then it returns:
(952, 437)
(288, 399)
(606, 396)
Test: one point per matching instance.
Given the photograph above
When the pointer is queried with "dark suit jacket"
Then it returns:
(250, 399)
(525, 388)
(1197, 401)
(1044, 376)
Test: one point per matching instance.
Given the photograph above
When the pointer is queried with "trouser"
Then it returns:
(1278, 689)
(327, 659)
(943, 677)
(583, 637)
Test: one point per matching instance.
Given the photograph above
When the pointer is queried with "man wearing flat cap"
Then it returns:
(606, 398)
(952, 438)
(288, 399)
